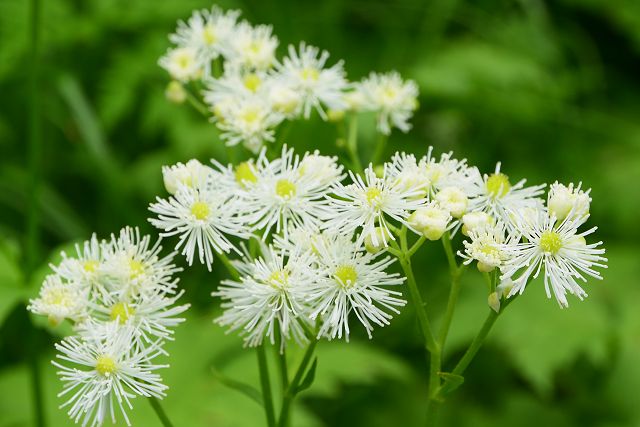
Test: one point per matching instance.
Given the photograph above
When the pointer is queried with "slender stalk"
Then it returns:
(33, 213)
(195, 103)
(476, 343)
(416, 300)
(295, 383)
(451, 259)
(352, 143)
(281, 356)
(454, 290)
(379, 150)
(232, 270)
(265, 384)
(157, 407)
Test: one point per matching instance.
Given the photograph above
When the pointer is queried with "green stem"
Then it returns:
(451, 259)
(295, 383)
(33, 213)
(227, 263)
(476, 343)
(379, 150)
(282, 363)
(157, 407)
(265, 384)
(352, 143)
(451, 305)
(195, 103)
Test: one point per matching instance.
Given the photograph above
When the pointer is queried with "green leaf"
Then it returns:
(11, 281)
(308, 378)
(249, 391)
(451, 381)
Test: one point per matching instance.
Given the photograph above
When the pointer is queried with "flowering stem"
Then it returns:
(195, 103)
(352, 143)
(232, 270)
(379, 150)
(476, 343)
(282, 363)
(33, 214)
(265, 384)
(157, 407)
(292, 390)
(456, 272)
(451, 259)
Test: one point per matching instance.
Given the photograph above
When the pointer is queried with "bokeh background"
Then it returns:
(550, 88)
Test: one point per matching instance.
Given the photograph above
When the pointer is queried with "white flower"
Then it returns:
(367, 203)
(324, 169)
(250, 121)
(557, 248)
(182, 63)
(208, 32)
(286, 194)
(151, 315)
(60, 300)
(252, 48)
(234, 84)
(133, 267)
(431, 221)
(454, 200)
(410, 174)
(86, 268)
(496, 196)
(355, 281)
(475, 221)
(201, 217)
(271, 300)
(488, 246)
(192, 174)
(283, 96)
(392, 98)
(305, 70)
(106, 373)
(565, 201)
(448, 172)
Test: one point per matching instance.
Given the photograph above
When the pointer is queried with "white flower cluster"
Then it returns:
(316, 243)
(309, 272)
(250, 92)
(120, 296)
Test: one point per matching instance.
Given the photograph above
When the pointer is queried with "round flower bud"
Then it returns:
(374, 242)
(454, 200)
(504, 288)
(475, 221)
(190, 175)
(175, 92)
(379, 170)
(431, 221)
(565, 200)
(485, 268)
(355, 100)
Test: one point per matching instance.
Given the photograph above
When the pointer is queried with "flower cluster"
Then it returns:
(318, 241)
(249, 92)
(307, 271)
(120, 296)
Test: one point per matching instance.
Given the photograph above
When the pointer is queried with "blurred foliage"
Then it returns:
(550, 88)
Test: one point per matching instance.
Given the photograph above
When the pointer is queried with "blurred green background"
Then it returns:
(550, 88)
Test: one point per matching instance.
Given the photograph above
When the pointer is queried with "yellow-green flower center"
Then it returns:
(346, 276)
(105, 365)
(285, 188)
(498, 185)
(121, 311)
(550, 242)
(490, 251)
(250, 115)
(310, 74)
(373, 196)
(279, 279)
(136, 268)
(209, 35)
(200, 210)
(244, 173)
(90, 266)
(252, 82)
